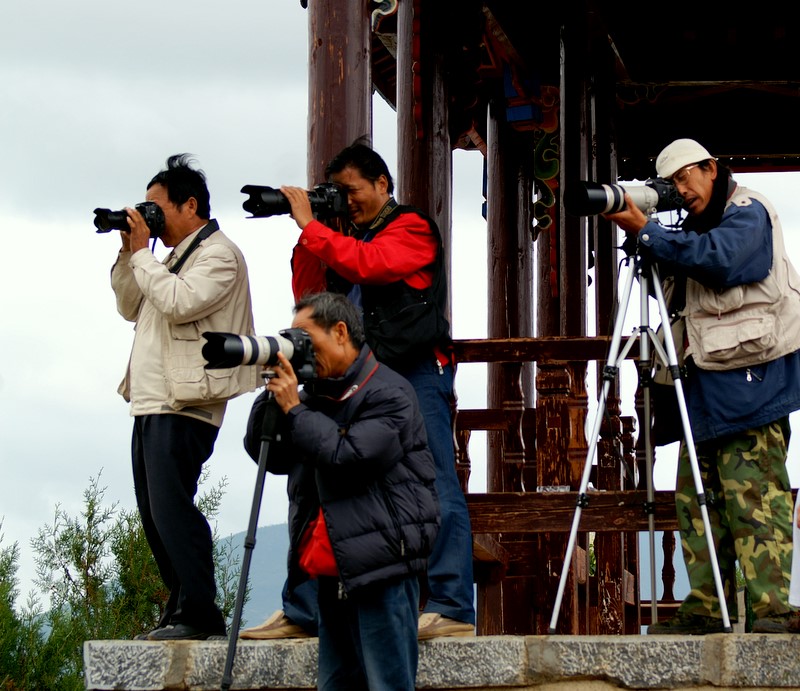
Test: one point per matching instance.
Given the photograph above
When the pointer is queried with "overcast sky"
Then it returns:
(96, 96)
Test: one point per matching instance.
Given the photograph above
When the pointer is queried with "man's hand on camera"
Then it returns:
(631, 219)
(140, 231)
(301, 206)
(283, 384)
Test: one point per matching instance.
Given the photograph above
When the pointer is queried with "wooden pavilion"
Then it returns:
(552, 93)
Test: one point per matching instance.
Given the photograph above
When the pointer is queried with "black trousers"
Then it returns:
(168, 453)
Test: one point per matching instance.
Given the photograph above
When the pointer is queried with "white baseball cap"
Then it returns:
(680, 153)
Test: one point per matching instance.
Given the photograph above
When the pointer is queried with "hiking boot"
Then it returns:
(787, 622)
(433, 625)
(686, 625)
(277, 626)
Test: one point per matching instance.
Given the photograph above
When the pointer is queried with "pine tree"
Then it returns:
(98, 574)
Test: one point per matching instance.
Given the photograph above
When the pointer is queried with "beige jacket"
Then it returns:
(746, 324)
(166, 372)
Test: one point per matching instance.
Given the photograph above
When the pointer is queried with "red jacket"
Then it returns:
(404, 250)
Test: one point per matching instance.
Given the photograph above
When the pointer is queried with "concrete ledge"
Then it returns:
(485, 663)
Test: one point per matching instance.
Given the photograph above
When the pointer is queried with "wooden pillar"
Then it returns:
(424, 153)
(339, 80)
(510, 256)
(510, 290)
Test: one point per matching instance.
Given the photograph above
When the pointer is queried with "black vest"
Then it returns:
(403, 325)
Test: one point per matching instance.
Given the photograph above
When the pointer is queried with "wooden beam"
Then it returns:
(555, 348)
(553, 512)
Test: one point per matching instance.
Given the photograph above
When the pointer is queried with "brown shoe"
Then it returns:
(277, 626)
(433, 625)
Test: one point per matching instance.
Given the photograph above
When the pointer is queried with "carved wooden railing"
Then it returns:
(614, 511)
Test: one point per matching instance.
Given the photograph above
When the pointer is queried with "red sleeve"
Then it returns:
(308, 273)
(404, 250)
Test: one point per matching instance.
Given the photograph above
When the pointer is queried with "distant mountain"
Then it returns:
(267, 571)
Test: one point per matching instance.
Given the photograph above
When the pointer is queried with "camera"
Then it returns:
(589, 198)
(232, 350)
(106, 220)
(327, 200)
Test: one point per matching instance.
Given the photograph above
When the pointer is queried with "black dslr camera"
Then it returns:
(223, 350)
(106, 220)
(327, 201)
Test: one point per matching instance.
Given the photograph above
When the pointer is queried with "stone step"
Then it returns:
(483, 663)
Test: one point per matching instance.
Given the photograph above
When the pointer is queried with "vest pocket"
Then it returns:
(734, 339)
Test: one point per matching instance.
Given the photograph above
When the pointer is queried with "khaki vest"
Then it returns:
(746, 324)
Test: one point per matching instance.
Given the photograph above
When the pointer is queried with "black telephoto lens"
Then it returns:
(265, 201)
(106, 220)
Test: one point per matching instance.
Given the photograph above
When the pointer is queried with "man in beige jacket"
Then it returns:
(177, 405)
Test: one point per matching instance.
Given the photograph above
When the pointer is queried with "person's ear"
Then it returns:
(190, 206)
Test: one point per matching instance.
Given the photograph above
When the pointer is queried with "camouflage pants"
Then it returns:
(750, 509)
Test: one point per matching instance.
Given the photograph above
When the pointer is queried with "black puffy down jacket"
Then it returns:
(357, 446)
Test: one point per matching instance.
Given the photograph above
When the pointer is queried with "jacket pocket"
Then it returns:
(188, 380)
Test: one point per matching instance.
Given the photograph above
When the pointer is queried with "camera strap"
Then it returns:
(211, 227)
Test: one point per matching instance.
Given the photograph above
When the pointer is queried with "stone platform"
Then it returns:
(485, 663)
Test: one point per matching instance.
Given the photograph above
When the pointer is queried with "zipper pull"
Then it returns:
(439, 365)
(342, 595)
(751, 375)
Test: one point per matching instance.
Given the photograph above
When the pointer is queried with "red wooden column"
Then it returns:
(424, 153)
(339, 80)
(510, 256)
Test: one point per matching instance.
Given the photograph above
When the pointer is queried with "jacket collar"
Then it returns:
(342, 388)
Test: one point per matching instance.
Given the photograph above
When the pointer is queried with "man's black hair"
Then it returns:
(182, 182)
(361, 156)
(328, 309)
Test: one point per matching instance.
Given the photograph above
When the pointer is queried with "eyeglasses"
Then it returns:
(682, 176)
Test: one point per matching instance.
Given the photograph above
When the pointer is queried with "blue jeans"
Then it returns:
(450, 581)
(368, 641)
(301, 604)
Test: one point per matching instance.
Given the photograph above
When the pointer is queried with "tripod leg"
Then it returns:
(609, 373)
(672, 359)
(645, 380)
(268, 430)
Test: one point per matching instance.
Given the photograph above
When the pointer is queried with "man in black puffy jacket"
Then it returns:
(363, 512)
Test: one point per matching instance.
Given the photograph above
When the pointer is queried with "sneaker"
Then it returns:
(686, 625)
(787, 622)
(277, 626)
(433, 625)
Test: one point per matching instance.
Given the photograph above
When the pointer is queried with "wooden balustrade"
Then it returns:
(515, 531)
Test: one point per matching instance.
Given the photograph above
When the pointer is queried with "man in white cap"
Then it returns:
(739, 297)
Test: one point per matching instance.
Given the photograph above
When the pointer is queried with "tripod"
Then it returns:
(268, 434)
(647, 275)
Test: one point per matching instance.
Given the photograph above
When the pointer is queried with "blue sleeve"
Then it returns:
(736, 252)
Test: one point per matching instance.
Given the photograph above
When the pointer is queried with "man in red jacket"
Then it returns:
(389, 263)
